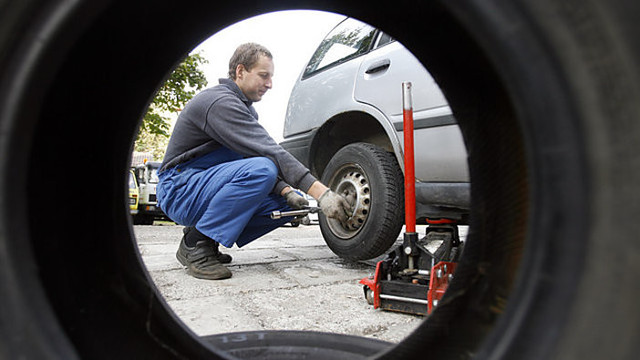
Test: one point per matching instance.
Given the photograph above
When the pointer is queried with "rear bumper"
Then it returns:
(150, 209)
(300, 146)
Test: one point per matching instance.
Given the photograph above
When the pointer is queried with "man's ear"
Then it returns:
(239, 70)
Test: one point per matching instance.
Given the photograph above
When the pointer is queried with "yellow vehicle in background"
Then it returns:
(134, 193)
(147, 177)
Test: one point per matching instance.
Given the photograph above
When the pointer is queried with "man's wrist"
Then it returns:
(317, 189)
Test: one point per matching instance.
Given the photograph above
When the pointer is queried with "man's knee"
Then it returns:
(263, 169)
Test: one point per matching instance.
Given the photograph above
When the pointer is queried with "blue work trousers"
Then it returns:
(225, 196)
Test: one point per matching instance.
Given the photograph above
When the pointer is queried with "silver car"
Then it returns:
(344, 121)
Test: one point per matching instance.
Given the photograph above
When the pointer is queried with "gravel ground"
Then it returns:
(286, 280)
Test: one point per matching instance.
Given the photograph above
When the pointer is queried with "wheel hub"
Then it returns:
(352, 183)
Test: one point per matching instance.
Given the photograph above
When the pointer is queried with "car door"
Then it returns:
(440, 151)
(380, 78)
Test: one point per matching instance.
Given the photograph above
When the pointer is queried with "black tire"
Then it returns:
(373, 183)
(255, 345)
(545, 91)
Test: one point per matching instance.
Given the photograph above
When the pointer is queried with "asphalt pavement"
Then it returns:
(287, 280)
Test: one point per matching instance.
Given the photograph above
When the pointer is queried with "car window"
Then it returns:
(153, 176)
(132, 181)
(346, 41)
(384, 39)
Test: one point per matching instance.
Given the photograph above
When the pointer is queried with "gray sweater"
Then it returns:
(223, 116)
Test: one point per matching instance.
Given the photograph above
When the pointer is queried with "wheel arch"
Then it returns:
(338, 132)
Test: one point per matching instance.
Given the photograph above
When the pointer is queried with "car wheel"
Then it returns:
(371, 180)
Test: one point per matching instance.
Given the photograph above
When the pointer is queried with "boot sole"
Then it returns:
(209, 277)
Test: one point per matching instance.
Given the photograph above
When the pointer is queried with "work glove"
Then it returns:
(334, 206)
(295, 200)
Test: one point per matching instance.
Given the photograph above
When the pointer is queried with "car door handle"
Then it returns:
(378, 66)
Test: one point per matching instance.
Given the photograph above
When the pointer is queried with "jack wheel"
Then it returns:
(368, 295)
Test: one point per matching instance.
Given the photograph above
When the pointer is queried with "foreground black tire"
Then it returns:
(370, 178)
(308, 345)
(546, 94)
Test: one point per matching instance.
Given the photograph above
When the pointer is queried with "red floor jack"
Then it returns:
(414, 276)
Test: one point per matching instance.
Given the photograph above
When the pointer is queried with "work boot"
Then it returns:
(202, 260)
(223, 258)
(191, 231)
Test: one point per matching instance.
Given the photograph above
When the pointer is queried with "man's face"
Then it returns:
(256, 82)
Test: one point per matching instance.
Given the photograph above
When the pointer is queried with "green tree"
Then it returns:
(183, 83)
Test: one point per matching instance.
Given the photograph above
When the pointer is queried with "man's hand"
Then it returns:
(295, 200)
(334, 206)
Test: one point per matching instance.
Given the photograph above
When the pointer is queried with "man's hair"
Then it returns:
(248, 55)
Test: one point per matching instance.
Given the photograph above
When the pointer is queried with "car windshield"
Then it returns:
(347, 40)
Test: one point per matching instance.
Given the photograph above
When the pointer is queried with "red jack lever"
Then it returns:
(410, 235)
(409, 166)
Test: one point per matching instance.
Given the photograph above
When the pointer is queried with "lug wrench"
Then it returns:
(305, 211)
